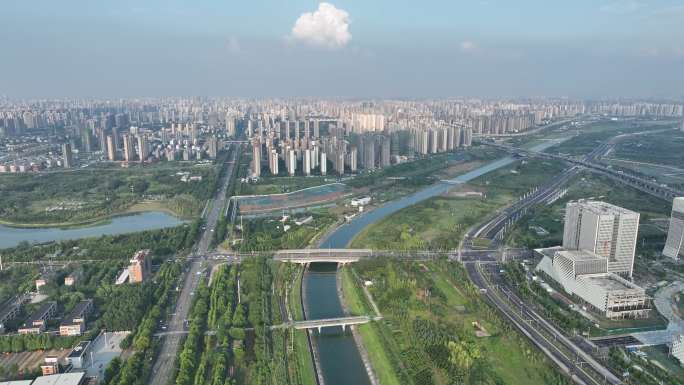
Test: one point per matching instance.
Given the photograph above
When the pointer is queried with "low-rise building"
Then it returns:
(50, 366)
(74, 378)
(40, 282)
(35, 324)
(360, 201)
(140, 266)
(70, 280)
(9, 310)
(74, 323)
(584, 274)
(78, 357)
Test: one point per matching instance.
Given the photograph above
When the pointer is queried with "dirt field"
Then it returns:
(31, 360)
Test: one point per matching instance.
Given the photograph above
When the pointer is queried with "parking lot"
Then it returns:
(105, 348)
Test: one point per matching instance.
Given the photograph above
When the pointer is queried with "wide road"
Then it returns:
(164, 365)
(571, 359)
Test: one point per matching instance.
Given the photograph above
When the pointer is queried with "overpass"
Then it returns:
(327, 322)
(588, 162)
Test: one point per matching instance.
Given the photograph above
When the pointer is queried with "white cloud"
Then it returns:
(468, 46)
(328, 26)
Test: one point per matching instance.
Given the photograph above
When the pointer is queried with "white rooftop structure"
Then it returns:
(61, 379)
(585, 275)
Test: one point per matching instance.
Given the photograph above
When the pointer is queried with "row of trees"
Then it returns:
(136, 369)
(205, 359)
(16, 343)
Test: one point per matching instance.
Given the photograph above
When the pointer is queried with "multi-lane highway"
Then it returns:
(164, 365)
(569, 357)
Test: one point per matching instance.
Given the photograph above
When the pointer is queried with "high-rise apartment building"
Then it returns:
(606, 230)
(143, 152)
(67, 161)
(128, 148)
(385, 151)
(324, 164)
(674, 246)
(111, 148)
(291, 163)
(256, 157)
(306, 162)
(273, 162)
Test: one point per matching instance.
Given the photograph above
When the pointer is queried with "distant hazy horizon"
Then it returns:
(342, 49)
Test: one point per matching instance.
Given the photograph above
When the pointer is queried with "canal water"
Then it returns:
(343, 235)
(340, 361)
(12, 236)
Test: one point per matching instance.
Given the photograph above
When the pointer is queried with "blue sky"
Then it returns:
(372, 48)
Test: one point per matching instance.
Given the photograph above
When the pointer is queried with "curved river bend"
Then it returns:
(340, 361)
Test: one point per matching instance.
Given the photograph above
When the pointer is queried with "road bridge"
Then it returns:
(589, 162)
(327, 322)
(345, 256)
(304, 256)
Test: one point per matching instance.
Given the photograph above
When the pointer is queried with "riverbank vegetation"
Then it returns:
(276, 234)
(439, 223)
(90, 195)
(437, 330)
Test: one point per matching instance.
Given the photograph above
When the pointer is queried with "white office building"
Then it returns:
(674, 246)
(677, 349)
(604, 229)
(585, 274)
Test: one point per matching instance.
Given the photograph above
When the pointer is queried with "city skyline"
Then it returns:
(343, 49)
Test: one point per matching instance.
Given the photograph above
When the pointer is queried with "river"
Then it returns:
(12, 236)
(340, 361)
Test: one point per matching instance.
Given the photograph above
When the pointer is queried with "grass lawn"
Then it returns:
(305, 366)
(439, 223)
(358, 305)
(282, 184)
(305, 369)
(424, 304)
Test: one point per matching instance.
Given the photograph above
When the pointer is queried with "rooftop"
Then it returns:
(579, 255)
(40, 313)
(77, 312)
(600, 207)
(60, 379)
(610, 282)
(79, 349)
